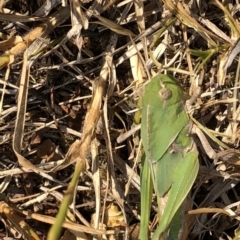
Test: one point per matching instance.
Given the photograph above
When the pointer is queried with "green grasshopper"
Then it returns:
(171, 163)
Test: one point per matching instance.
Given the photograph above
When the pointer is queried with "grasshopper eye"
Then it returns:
(165, 93)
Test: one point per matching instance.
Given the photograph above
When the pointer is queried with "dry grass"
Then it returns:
(77, 73)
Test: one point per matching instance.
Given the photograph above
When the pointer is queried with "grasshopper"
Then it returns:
(171, 163)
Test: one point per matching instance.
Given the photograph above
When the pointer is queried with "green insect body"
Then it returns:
(168, 148)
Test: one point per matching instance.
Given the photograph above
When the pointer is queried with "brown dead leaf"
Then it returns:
(114, 217)
(68, 236)
(36, 137)
(9, 43)
(134, 231)
(78, 235)
(47, 151)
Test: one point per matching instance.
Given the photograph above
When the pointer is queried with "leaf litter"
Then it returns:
(71, 80)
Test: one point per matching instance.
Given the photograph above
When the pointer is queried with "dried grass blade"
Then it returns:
(79, 150)
(46, 7)
(42, 30)
(67, 224)
(18, 18)
(20, 117)
(78, 16)
(229, 18)
(139, 9)
(213, 28)
(17, 222)
(209, 210)
(114, 26)
(226, 60)
(81, 155)
(185, 18)
(108, 73)
(136, 68)
(137, 61)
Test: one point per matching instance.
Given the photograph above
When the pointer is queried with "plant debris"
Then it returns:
(72, 77)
